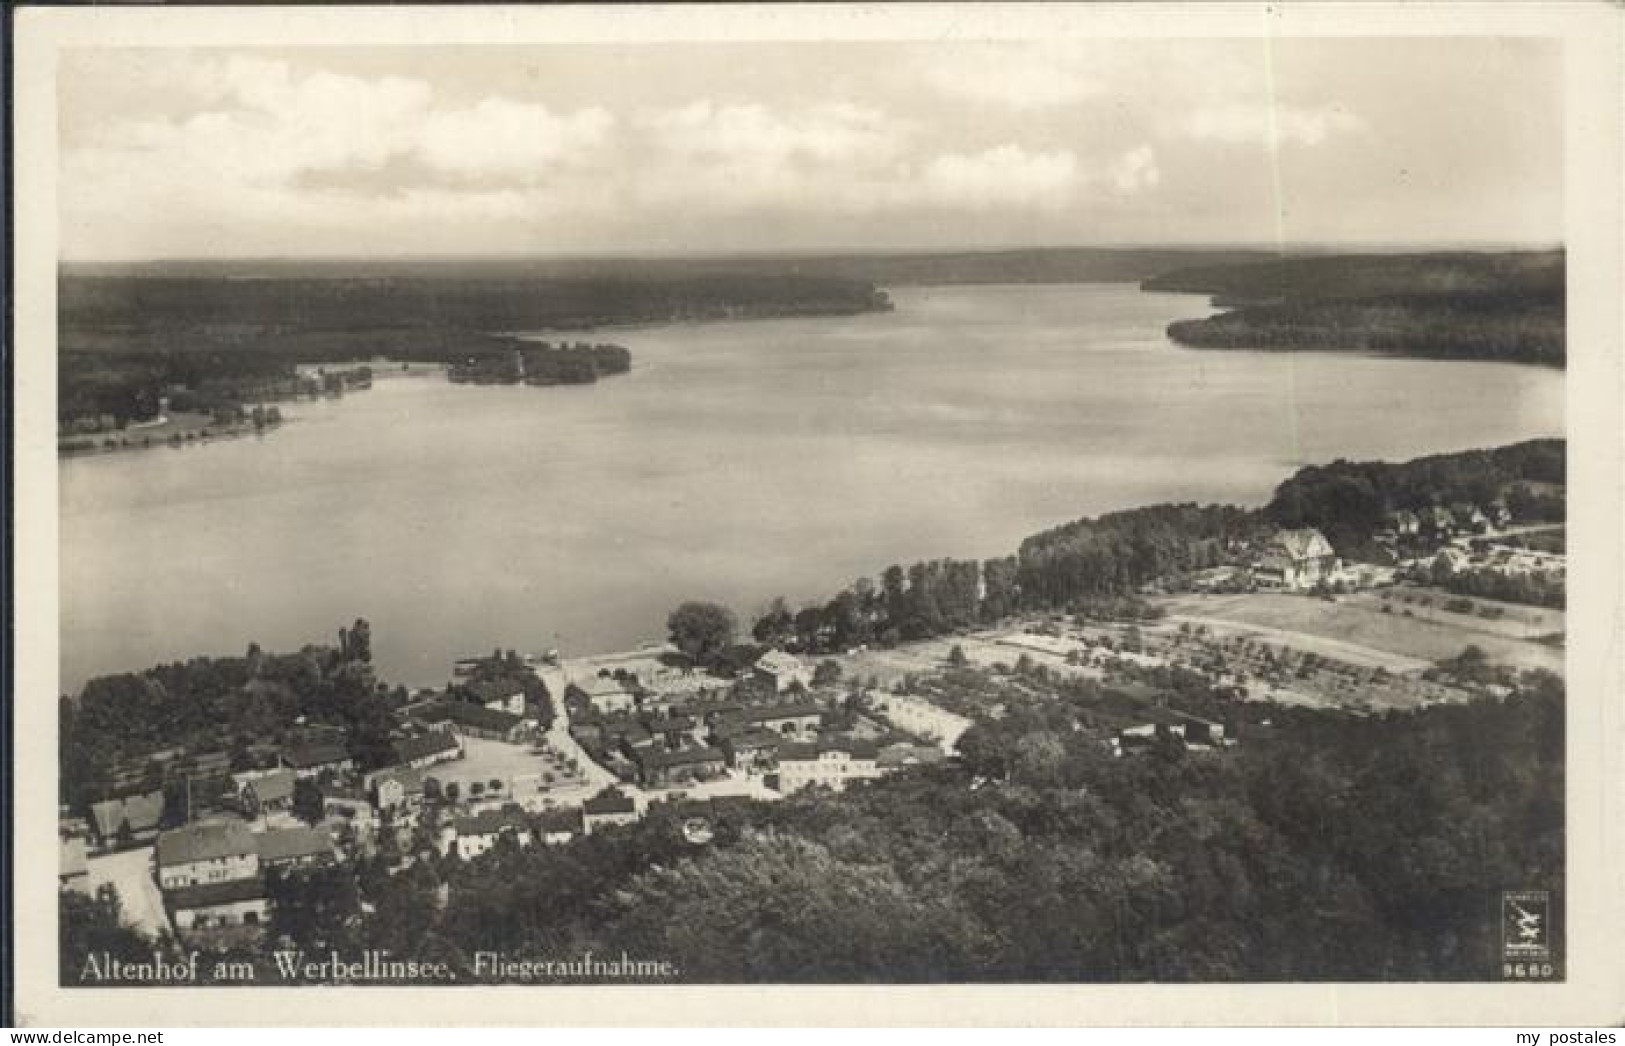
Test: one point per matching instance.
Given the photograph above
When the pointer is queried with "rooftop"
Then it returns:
(142, 812)
(206, 841)
(609, 803)
(432, 742)
(307, 757)
(208, 895)
(292, 844)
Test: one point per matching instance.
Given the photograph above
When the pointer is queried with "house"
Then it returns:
(1470, 518)
(134, 818)
(1451, 560)
(795, 721)
(350, 803)
(607, 809)
(1162, 722)
(1404, 523)
(831, 762)
(479, 833)
(398, 789)
(216, 906)
(471, 720)
(558, 827)
(73, 869)
(499, 695)
(659, 766)
(313, 760)
(752, 748)
(295, 848)
(1296, 559)
(901, 756)
(606, 694)
(265, 791)
(781, 671)
(1437, 521)
(206, 852)
(427, 749)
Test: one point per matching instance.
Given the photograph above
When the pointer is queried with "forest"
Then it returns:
(1346, 500)
(1488, 306)
(1097, 565)
(233, 331)
(1337, 848)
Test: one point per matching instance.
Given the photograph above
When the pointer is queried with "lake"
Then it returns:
(738, 461)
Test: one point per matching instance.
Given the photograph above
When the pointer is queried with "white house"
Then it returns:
(1296, 559)
(478, 834)
(782, 670)
(607, 694)
(832, 763)
(204, 853)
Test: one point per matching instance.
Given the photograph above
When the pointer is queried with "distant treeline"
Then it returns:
(542, 364)
(1506, 306)
(129, 333)
(1097, 565)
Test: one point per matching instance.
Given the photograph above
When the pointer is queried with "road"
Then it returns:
(130, 873)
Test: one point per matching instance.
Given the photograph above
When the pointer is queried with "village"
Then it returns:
(541, 750)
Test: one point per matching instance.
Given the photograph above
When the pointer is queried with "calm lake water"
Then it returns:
(737, 462)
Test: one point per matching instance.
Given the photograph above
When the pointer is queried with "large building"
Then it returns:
(208, 852)
(831, 763)
(1295, 560)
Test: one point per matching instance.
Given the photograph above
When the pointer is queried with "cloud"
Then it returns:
(1266, 124)
(1001, 176)
(1135, 170)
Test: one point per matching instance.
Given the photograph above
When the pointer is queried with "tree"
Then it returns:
(307, 801)
(701, 630)
(956, 656)
(827, 673)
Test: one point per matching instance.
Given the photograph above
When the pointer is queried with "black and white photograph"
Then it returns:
(1010, 499)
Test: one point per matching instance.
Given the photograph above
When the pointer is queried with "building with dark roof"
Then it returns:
(298, 847)
(659, 766)
(607, 809)
(140, 814)
(798, 721)
(265, 792)
(472, 720)
(478, 833)
(232, 905)
(499, 695)
(428, 749)
(207, 852)
(832, 762)
(751, 748)
(312, 760)
(560, 826)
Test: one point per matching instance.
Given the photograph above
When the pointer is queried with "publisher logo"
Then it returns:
(1526, 926)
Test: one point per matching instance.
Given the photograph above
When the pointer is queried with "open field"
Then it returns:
(1359, 623)
(889, 667)
(1517, 621)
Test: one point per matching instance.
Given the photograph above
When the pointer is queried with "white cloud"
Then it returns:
(1135, 170)
(1268, 124)
(1003, 175)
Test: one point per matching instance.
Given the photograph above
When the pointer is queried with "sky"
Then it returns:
(721, 147)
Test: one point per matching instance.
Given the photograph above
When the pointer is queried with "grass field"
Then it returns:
(1359, 622)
